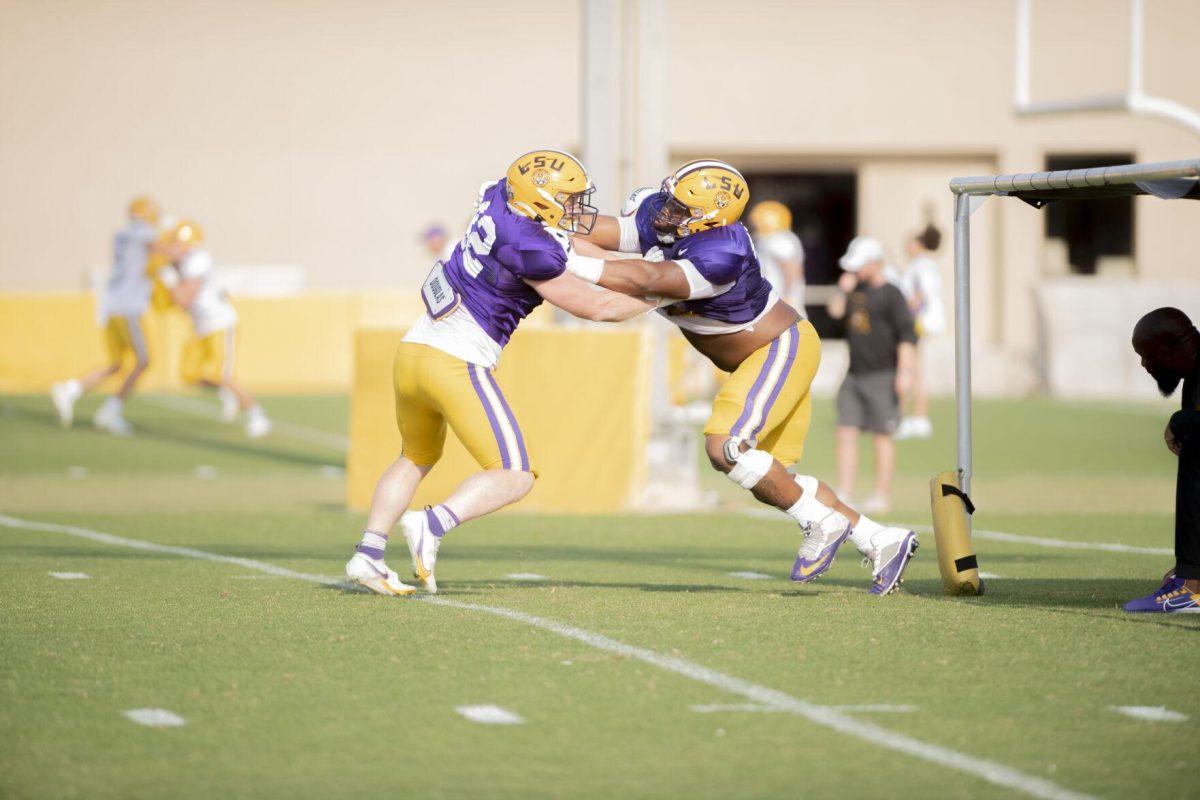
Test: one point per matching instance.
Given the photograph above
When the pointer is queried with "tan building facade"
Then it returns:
(328, 135)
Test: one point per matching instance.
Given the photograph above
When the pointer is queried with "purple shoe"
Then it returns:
(891, 559)
(820, 545)
(1171, 598)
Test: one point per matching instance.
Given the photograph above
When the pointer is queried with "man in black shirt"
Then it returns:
(1169, 345)
(881, 337)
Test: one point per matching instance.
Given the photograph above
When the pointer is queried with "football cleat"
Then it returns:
(891, 549)
(64, 396)
(257, 425)
(111, 420)
(821, 542)
(1171, 598)
(373, 574)
(423, 546)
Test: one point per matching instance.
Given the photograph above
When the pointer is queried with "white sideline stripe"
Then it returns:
(156, 717)
(490, 715)
(881, 708)
(199, 408)
(1150, 713)
(990, 771)
(750, 576)
(70, 576)
(1001, 536)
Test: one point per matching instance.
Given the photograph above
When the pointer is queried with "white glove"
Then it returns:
(654, 254)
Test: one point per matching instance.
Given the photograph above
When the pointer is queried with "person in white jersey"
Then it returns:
(209, 358)
(119, 313)
(780, 253)
(921, 283)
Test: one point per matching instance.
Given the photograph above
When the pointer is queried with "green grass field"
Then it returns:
(640, 666)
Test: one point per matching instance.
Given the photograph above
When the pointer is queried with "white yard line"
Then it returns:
(870, 708)
(1001, 536)
(70, 576)
(750, 575)
(525, 576)
(490, 715)
(990, 771)
(1150, 713)
(199, 408)
(156, 717)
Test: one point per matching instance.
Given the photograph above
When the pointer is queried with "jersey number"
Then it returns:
(480, 238)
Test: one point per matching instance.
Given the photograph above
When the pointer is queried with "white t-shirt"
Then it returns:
(922, 276)
(211, 311)
(127, 292)
(773, 250)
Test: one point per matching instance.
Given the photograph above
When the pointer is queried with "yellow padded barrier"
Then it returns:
(299, 343)
(580, 396)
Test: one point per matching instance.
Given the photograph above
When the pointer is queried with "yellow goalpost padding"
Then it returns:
(581, 398)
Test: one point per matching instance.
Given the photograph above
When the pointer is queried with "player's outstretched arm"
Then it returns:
(605, 233)
(634, 276)
(587, 302)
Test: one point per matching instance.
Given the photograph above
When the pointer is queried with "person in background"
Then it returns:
(882, 343)
(122, 304)
(921, 283)
(1169, 346)
(209, 357)
(437, 242)
(780, 254)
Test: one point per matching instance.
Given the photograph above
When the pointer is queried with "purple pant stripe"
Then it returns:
(748, 408)
(512, 420)
(487, 407)
(783, 376)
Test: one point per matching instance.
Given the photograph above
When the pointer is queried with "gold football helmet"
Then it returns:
(702, 195)
(770, 216)
(552, 186)
(186, 234)
(145, 209)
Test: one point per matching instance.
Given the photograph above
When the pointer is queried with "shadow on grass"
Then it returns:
(181, 434)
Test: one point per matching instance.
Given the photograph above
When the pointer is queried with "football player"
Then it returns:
(513, 255)
(698, 258)
(780, 253)
(119, 313)
(209, 358)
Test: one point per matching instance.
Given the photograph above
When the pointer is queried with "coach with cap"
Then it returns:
(1169, 345)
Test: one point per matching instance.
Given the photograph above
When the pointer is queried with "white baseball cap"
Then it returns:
(863, 250)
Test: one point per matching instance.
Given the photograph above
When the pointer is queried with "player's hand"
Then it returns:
(1172, 443)
(654, 254)
(848, 282)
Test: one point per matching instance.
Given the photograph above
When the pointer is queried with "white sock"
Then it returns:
(113, 405)
(862, 533)
(74, 388)
(255, 411)
(808, 508)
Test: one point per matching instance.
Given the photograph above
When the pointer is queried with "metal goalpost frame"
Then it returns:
(1162, 179)
(1133, 100)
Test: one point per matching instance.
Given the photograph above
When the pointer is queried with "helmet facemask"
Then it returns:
(673, 219)
(579, 216)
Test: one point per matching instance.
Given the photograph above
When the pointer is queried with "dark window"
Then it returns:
(1091, 228)
(823, 206)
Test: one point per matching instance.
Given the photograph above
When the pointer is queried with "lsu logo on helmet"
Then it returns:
(704, 194)
(553, 187)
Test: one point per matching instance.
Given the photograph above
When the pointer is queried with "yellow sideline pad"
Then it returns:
(581, 398)
(952, 533)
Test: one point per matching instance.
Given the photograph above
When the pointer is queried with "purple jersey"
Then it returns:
(723, 256)
(490, 263)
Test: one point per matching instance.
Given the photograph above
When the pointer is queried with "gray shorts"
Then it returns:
(868, 401)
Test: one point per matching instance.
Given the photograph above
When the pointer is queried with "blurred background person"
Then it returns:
(209, 357)
(780, 253)
(921, 283)
(119, 313)
(437, 241)
(882, 344)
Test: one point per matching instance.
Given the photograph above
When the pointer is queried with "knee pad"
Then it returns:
(750, 468)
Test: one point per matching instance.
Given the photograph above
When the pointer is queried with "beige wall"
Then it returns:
(326, 135)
